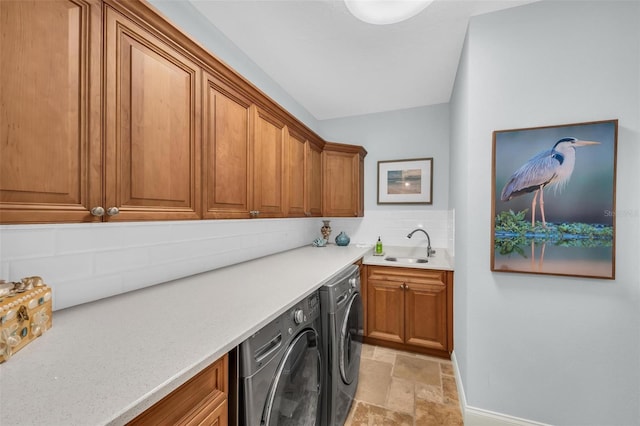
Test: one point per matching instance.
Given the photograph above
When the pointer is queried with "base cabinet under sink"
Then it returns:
(409, 309)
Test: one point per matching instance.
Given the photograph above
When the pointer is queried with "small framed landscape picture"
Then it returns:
(405, 181)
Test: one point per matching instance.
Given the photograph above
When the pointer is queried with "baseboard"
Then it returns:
(474, 416)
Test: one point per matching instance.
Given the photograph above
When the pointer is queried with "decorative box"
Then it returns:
(25, 313)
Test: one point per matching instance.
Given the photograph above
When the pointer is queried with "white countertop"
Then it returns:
(107, 361)
(440, 260)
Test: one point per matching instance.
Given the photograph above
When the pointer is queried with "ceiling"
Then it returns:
(337, 66)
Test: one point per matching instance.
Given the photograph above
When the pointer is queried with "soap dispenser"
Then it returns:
(379, 246)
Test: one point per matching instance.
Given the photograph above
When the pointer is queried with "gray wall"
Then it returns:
(396, 135)
(190, 21)
(559, 350)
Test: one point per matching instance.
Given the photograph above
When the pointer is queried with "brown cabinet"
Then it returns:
(135, 121)
(268, 165)
(226, 149)
(313, 167)
(203, 400)
(50, 129)
(304, 176)
(343, 180)
(152, 136)
(409, 309)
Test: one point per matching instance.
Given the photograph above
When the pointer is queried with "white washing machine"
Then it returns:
(342, 333)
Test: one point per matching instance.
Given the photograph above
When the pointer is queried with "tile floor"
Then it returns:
(398, 388)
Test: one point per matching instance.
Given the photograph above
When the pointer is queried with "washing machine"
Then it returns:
(342, 333)
(281, 370)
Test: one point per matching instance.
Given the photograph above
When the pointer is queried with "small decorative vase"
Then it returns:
(326, 229)
(343, 239)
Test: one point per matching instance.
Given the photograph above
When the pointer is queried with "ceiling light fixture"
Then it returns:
(383, 12)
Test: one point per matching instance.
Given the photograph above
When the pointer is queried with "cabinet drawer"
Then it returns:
(199, 398)
(212, 412)
(407, 275)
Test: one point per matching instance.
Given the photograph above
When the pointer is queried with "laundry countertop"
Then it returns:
(107, 361)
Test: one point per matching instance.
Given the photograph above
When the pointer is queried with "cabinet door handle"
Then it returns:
(112, 211)
(97, 211)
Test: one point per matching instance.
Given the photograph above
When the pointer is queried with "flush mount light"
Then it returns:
(383, 12)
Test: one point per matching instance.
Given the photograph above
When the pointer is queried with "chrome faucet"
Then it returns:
(429, 250)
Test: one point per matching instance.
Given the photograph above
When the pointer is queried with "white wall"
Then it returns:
(564, 351)
(396, 135)
(86, 262)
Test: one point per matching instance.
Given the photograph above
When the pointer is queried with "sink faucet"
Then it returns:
(429, 250)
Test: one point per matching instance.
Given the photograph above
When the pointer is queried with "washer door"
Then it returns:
(294, 397)
(351, 334)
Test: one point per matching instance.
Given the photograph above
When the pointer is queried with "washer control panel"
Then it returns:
(306, 310)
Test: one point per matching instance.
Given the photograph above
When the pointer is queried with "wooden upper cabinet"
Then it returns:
(304, 178)
(313, 165)
(343, 180)
(296, 175)
(268, 165)
(50, 119)
(227, 134)
(152, 131)
(110, 113)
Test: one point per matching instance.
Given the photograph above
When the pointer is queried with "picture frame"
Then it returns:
(553, 200)
(407, 181)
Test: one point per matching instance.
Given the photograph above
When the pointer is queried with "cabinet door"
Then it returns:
(226, 149)
(385, 310)
(202, 400)
(313, 164)
(343, 180)
(152, 138)
(268, 165)
(296, 176)
(50, 119)
(213, 412)
(340, 184)
(426, 315)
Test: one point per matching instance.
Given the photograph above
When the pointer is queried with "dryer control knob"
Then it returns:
(353, 282)
(298, 316)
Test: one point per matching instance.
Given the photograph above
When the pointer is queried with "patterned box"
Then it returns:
(25, 313)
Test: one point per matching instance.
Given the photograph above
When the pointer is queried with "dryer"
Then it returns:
(342, 334)
(281, 370)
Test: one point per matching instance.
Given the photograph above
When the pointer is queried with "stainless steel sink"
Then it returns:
(406, 259)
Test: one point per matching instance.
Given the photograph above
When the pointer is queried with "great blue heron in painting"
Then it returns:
(551, 167)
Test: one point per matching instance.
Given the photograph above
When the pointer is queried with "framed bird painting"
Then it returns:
(553, 192)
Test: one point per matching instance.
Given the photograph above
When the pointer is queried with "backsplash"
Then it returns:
(393, 226)
(87, 262)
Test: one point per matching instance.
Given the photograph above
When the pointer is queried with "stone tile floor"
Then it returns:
(398, 388)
